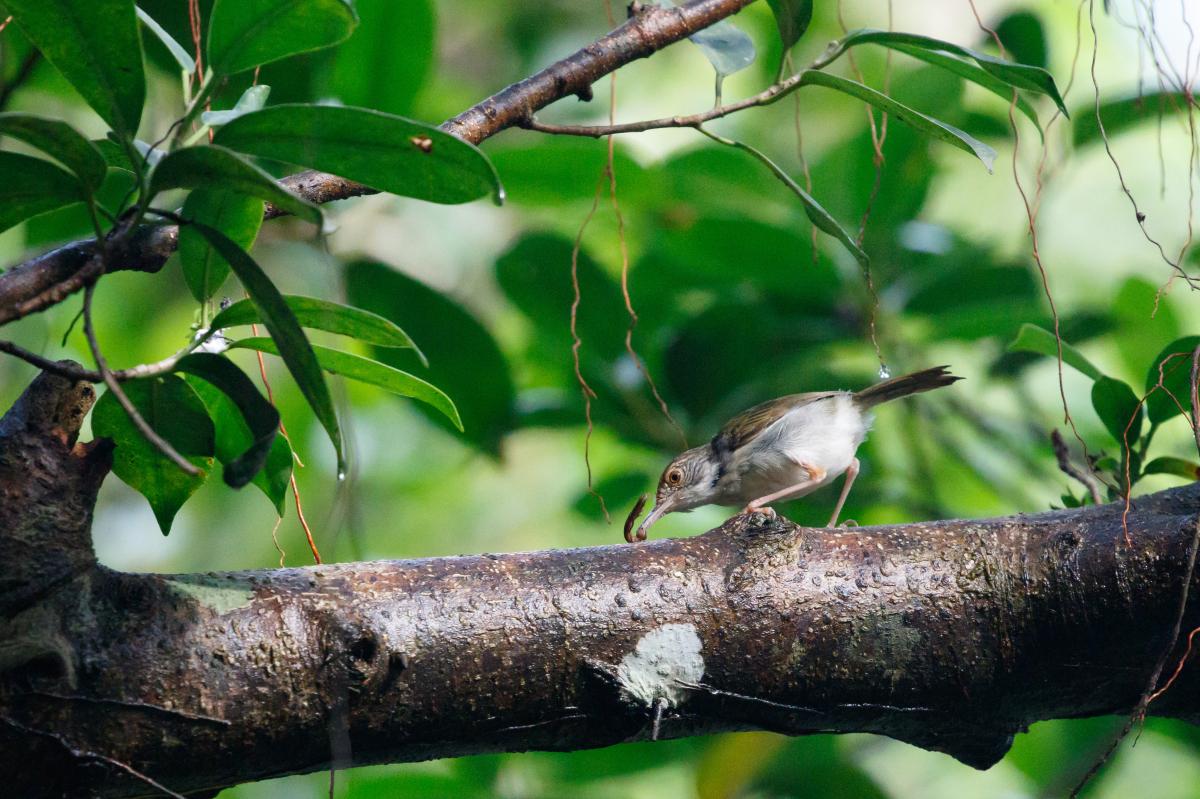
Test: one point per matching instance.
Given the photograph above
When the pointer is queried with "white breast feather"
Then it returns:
(825, 434)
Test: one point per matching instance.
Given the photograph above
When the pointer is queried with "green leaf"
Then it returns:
(1031, 338)
(927, 125)
(1118, 407)
(973, 73)
(253, 99)
(243, 34)
(385, 152)
(115, 156)
(32, 186)
(96, 46)
(261, 417)
(237, 216)
(217, 168)
(464, 359)
(1019, 76)
(398, 41)
(233, 437)
(1146, 322)
(185, 61)
(171, 407)
(332, 317)
(726, 46)
(281, 323)
(61, 142)
(792, 17)
(371, 372)
(1176, 363)
(1121, 115)
(1024, 37)
(1179, 467)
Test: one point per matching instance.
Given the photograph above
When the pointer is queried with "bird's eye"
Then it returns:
(675, 477)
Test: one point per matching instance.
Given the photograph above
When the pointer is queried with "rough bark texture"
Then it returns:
(950, 635)
(48, 279)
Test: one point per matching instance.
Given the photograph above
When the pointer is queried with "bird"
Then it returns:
(779, 450)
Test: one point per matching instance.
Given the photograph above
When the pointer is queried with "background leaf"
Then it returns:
(1031, 338)
(171, 407)
(238, 216)
(464, 360)
(385, 152)
(243, 34)
(181, 56)
(60, 141)
(96, 46)
(1117, 406)
(792, 18)
(1176, 366)
(253, 99)
(32, 186)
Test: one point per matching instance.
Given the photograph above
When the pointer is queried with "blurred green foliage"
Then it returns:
(736, 302)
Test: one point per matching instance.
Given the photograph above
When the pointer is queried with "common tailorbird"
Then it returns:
(780, 450)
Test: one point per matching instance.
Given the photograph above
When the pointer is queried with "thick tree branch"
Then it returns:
(48, 279)
(950, 635)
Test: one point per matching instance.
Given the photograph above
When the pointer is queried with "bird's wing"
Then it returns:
(748, 425)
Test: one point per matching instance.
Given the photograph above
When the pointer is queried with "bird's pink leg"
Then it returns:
(851, 473)
(815, 476)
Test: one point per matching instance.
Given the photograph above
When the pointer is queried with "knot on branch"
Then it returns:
(48, 486)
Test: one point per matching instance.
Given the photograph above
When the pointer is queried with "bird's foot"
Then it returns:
(766, 510)
(847, 523)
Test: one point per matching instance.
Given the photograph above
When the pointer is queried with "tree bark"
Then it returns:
(52, 277)
(950, 635)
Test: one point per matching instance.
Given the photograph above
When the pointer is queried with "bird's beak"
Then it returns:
(660, 510)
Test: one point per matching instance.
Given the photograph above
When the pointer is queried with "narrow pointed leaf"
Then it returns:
(925, 124)
(243, 34)
(792, 18)
(96, 46)
(171, 407)
(185, 61)
(61, 142)
(973, 73)
(1120, 115)
(1019, 76)
(1031, 338)
(237, 216)
(217, 168)
(253, 99)
(260, 416)
(375, 373)
(332, 317)
(32, 186)
(385, 152)
(281, 323)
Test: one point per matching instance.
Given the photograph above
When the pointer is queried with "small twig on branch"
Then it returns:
(159, 443)
(1063, 455)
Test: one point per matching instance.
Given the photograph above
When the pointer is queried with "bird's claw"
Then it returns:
(767, 511)
(848, 523)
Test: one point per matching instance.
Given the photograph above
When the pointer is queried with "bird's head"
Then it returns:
(686, 483)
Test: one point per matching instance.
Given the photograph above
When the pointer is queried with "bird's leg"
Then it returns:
(815, 475)
(851, 473)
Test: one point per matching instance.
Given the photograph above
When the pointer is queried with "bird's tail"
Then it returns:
(915, 383)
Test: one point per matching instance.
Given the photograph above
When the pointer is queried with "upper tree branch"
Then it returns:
(48, 279)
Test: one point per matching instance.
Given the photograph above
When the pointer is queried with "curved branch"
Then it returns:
(48, 279)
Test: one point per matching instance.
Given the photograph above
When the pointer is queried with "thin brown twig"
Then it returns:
(157, 441)
(1062, 454)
